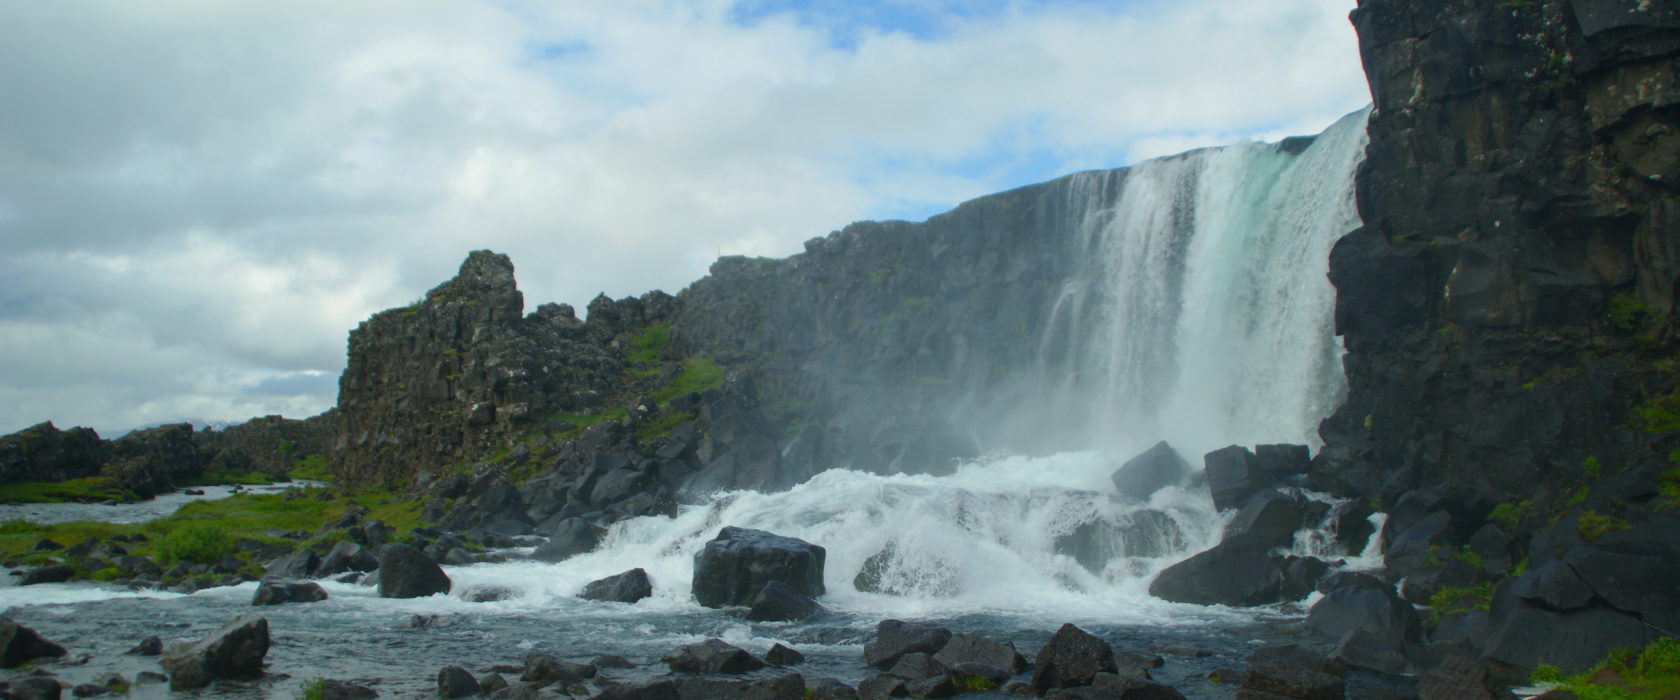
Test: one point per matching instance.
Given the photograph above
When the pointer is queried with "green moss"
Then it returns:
(1508, 515)
(312, 689)
(87, 489)
(1591, 525)
(698, 374)
(1470, 557)
(972, 684)
(312, 467)
(1659, 414)
(109, 573)
(1454, 599)
(1591, 467)
(648, 345)
(1623, 675)
(1367, 421)
(1531, 384)
(661, 425)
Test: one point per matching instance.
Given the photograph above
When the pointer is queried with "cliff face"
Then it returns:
(451, 378)
(45, 453)
(269, 444)
(1509, 302)
(893, 345)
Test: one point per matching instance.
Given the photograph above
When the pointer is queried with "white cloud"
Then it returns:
(201, 199)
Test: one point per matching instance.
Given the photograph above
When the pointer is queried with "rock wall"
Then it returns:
(1510, 299)
(45, 453)
(459, 374)
(269, 444)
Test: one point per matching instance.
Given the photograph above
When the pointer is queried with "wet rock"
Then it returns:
(1521, 634)
(963, 672)
(571, 537)
(882, 686)
(347, 556)
(628, 587)
(832, 689)
(488, 593)
(56, 573)
(150, 646)
(895, 638)
(1238, 571)
(406, 573)
(19, 644)
(783, 656)
(1140, 533)
(1424, 582)
(1412, 547)
(298, 565)
(37, 688)
(896, 572)
(277, 592)
(546, 668)
(969, 648)
(456, 682)
(1294, 672)
(1351, 521)
(234, 651)
(917, 666)
(1268, 516)
(344, 690)
(1232, 476)
(734, 566)
(1156, 468)
(1301, 576)
(1373, 628)
(778, 601)
(1282, 459)
(611, 661)
(491, 683)
(936, 686)
(711, 656)
(1072, 657)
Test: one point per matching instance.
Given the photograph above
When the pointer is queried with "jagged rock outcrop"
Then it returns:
(448, 380)
(149, 462)
(45, 453)
(269, 444)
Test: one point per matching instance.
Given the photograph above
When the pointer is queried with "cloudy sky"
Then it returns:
(199, 199)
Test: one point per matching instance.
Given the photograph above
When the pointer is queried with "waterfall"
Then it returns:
(1201, 312)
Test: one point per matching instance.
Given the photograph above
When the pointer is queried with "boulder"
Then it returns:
(1282, 460)
(1072, 657)
(974, 669)
(404, 572)
(917, 666)
(1301, 576)
(297, 565)
(150, 646)
(571, 537)
(1351, 521)
(456, 682)
(1374, 610)
(895, 638)
(19, 644)
(55, 573)
(896, 572)
(36, 688)
(1293, 672)
(541, 667)
(882, 686)
(778, 601)
(832, 689)
(1156, 468)
(628, 587)
(734, 566)
(786, 687)
(234, 651)
(1411, 548)
(1424, 582)
(277, 592)
(711, 656)
(488, 593)
(1238, 571)
(1269, 516)
(1232, 476)
(780, 655)
(969, 648)
(1634, 572)
(345, 690)
(1140, 533)
(347, 556)
(1522, 635)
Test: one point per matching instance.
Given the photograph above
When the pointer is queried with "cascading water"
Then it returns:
(1200, 314)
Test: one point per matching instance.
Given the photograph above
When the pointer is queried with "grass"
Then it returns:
(312, 689)
(647, 346)
(1624, 675)
(1453, 599)
(312, 467)
(699, 374)
(86, 489)
(196, 543)
(661, 425)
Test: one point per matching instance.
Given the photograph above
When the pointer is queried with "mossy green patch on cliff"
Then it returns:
(1508, 515)
(1659, 414)
(1624, 675)
(312, 467)
(84, 490)
(1455, 599)
(661, 425)
(698, 374)
(1591, 525)
(648, 345)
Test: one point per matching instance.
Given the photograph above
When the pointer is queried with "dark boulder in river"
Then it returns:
(1157, 468)
(735, 566)
(1237, 571)
(19, 644)
(234, 651)
(779, 601)
(277, 592)
(628, 587)
(404, 572)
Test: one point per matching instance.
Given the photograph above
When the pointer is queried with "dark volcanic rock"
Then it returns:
(1156, 468)
(1293, 672)
(735, 566)
(19, 644)
(456, 682)
(55, 573)
(1237, 571)
(332, 689)
(571, 537)
(1233, 476)
(404, 572)
(277, 592)
(712, 656)
(1072, 657)
(968, 648)
(783, 656)
(45, 453)
(779, 601)
(895, 638)
(628, 587)
(346, 556)
(234, 651)
(299, 564)
(1270, 517)
(150, 646)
